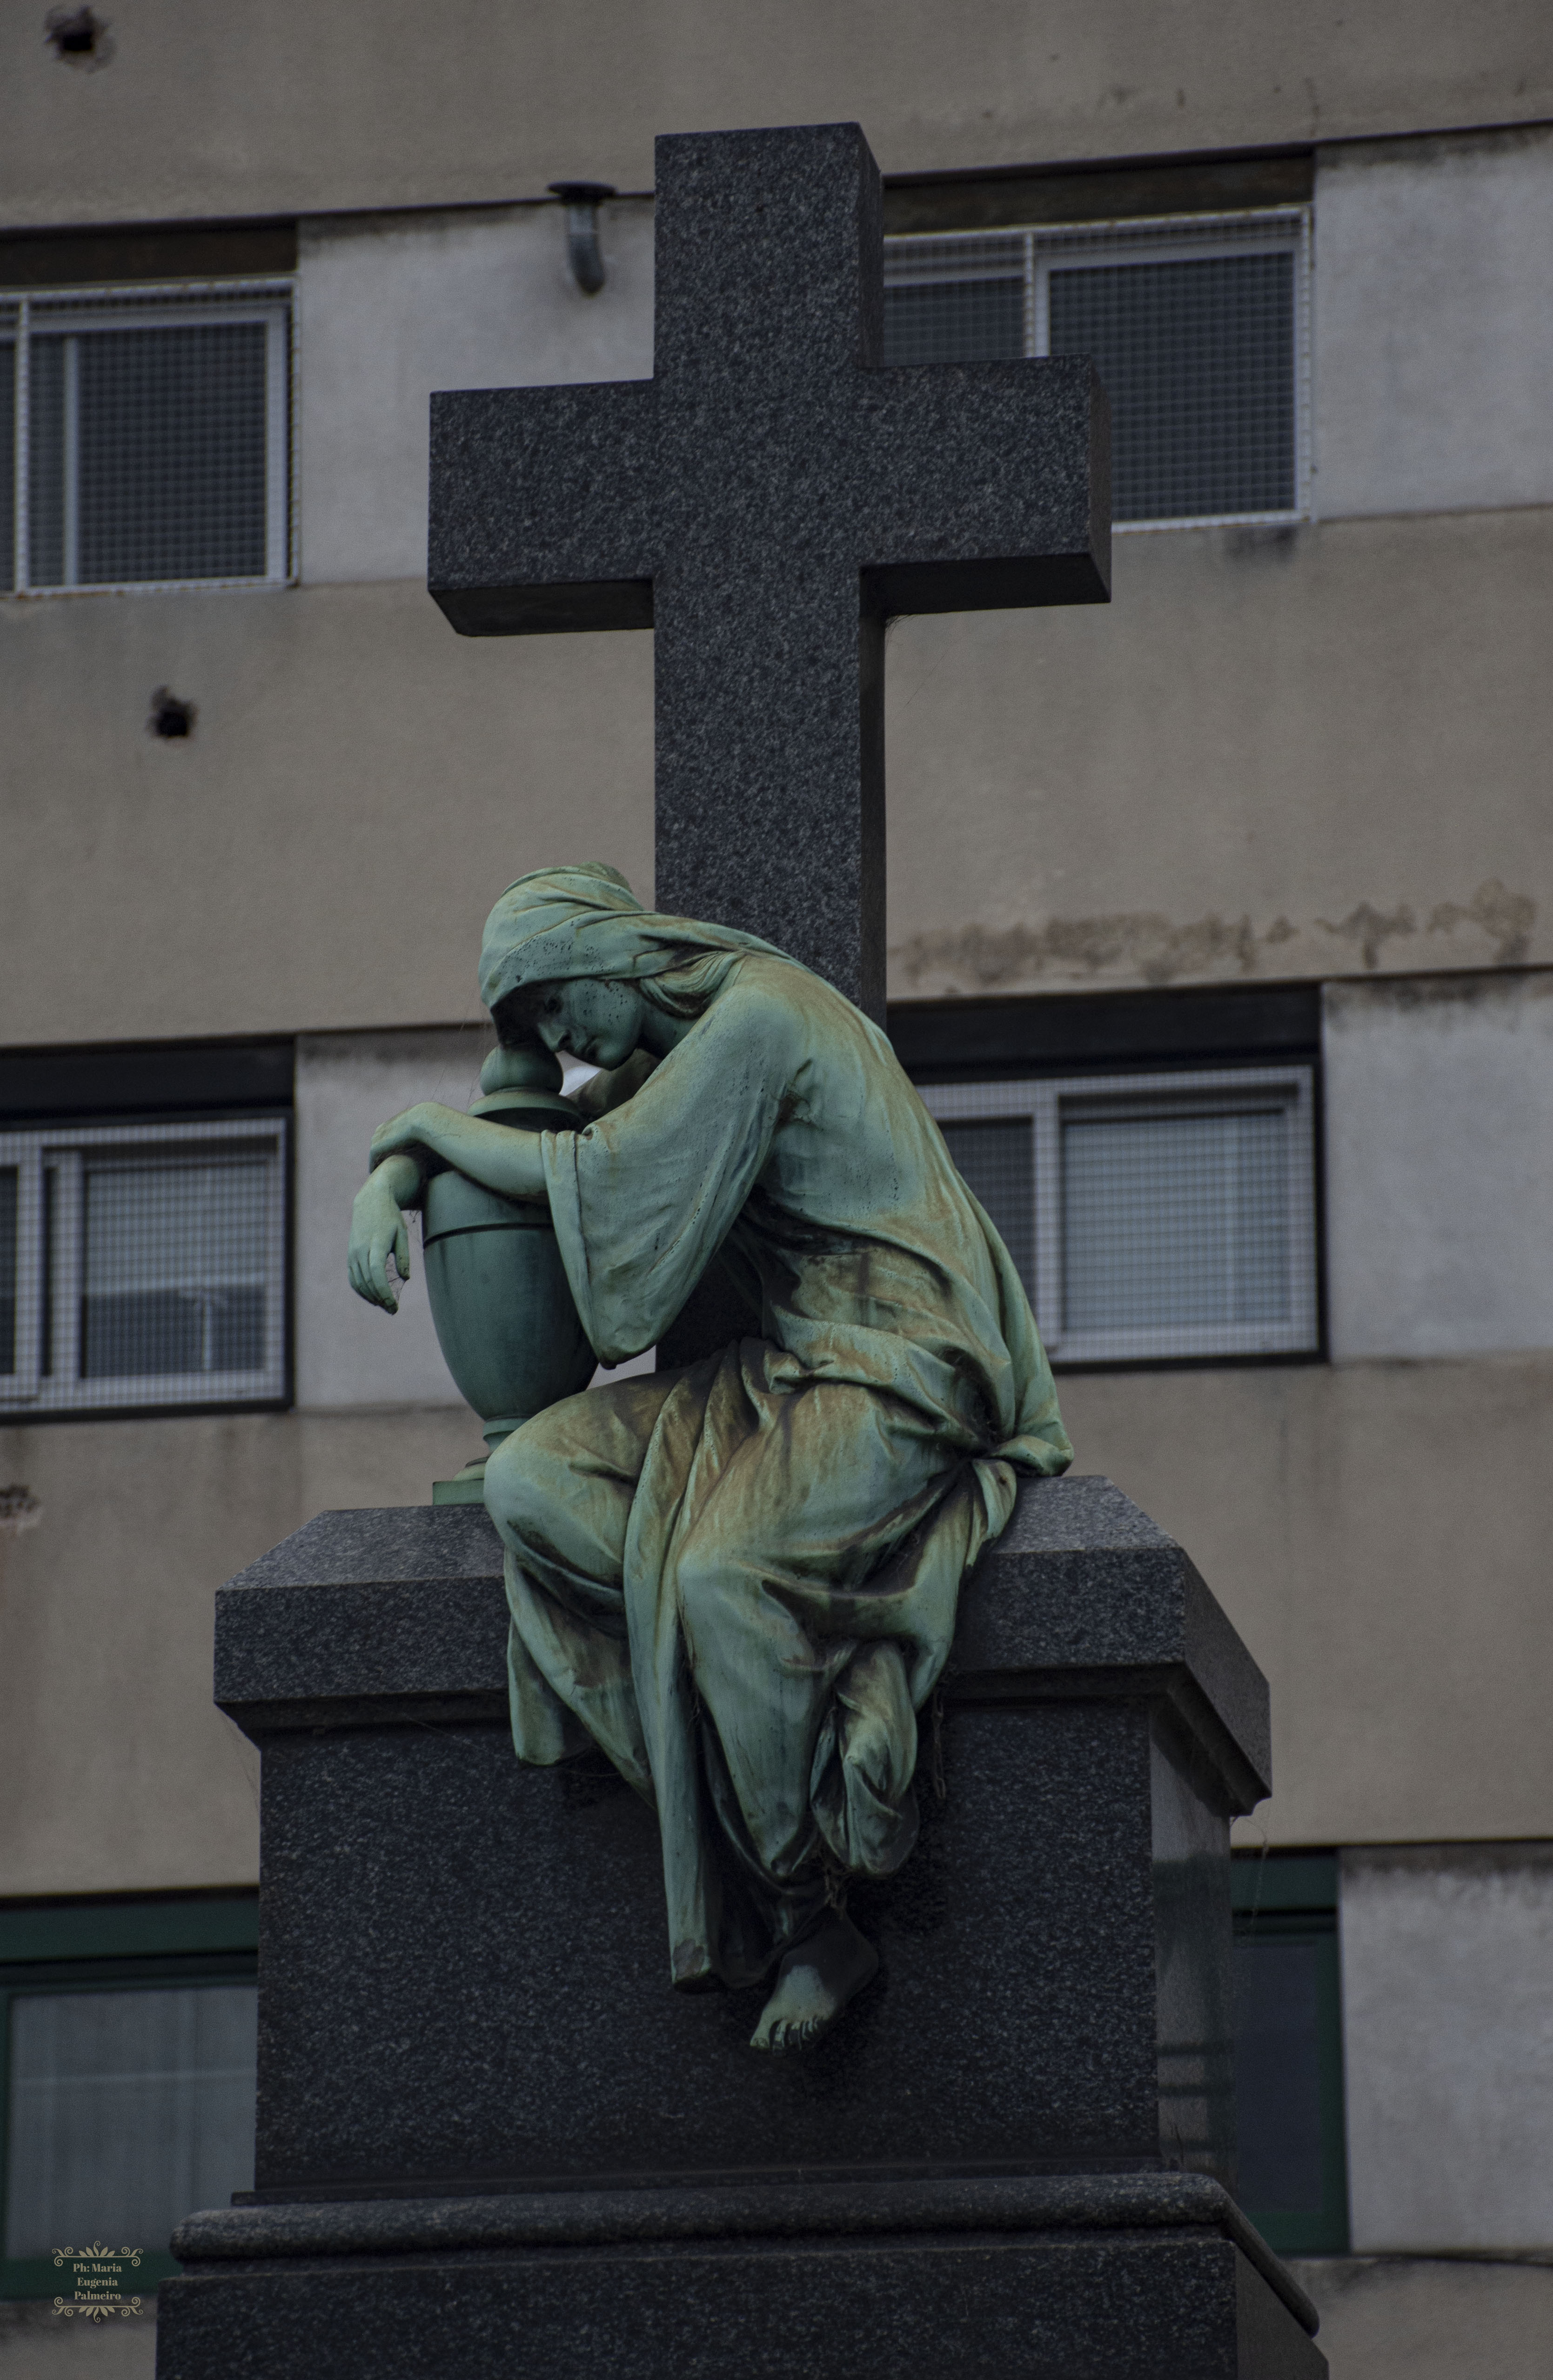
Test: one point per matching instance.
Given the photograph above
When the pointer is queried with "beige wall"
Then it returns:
(389, 307)
(1275, 753)
(116, 1772)
(322, 851)
(1377, 1534)
(346, 1353)
(1447, 2041)
(1306, 751)
(1438, 1109)
(1401, 2318)
(277, 106)
(1434, 323)
(1319, 751)
(35, 2343)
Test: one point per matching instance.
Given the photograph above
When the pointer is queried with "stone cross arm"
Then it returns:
(960, 487)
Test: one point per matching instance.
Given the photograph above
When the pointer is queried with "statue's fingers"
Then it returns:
(402, 1249)
(382, 1286)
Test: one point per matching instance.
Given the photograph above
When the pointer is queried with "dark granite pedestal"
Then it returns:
(490, 2138)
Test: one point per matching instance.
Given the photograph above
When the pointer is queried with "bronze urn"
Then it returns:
(504, 1314)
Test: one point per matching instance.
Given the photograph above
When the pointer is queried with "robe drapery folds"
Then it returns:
(741, 1579)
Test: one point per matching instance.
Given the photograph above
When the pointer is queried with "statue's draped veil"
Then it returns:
(561, 923)
(741, 1578)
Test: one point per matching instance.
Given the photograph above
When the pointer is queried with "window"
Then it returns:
(142, 1264)
(1289, 2087)
(148, 431)
(1198, 326)
(127, 2066)
(1150, 1216)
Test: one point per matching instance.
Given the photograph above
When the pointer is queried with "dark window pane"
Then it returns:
(1198, 359)
(45, 1269)
(172, 453)
(45, 462)
(995, 1156)
(8, 473)
(174, 1269)
(1173, 1220)
(168, 1331)
(1278, 2076)
(955, 321)
(127, 2109)
(10, 1202)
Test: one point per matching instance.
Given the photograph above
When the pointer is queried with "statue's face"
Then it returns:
(598, 1022)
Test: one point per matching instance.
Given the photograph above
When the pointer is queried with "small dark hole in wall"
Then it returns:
(169, 717)
(79, 37)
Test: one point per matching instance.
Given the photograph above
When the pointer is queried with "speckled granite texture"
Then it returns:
(404, 1608)
(491, 2140)
(463, 1969)
(1153, 2277)
(763, 503)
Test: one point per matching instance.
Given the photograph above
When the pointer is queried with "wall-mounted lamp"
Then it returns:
(581, 200)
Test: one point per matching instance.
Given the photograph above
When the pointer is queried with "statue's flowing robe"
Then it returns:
(740, 1579)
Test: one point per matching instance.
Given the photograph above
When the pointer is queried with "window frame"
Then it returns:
(26, 314)
(1135, 239)
(110, 1947)
(29, 1392)
(1041, 1099)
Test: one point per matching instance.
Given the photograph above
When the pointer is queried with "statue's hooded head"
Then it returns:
(562, 923)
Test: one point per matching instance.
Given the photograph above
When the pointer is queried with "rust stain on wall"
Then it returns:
(1506, 917)
(1369, 929)
(1148, 946)
(1142, 942)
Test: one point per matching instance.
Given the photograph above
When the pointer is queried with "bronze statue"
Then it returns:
(740, 1578)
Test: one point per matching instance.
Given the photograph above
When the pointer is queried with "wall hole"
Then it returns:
(170, 717)
(78, 37)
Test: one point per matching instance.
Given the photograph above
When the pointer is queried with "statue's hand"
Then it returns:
(378, 1231)
(407, 1131)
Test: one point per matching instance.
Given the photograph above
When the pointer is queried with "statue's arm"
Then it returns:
(502, 1156)
(378, 1230)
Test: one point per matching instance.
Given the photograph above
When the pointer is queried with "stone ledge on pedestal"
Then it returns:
(405, 1618)
(791, 2211)
(1136, 2278)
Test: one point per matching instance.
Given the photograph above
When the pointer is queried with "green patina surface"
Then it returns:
(740, 1579)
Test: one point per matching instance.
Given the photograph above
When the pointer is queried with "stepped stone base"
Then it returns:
(1131, 2278)
(491, 2140)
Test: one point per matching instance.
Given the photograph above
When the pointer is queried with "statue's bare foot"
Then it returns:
(814, 1984)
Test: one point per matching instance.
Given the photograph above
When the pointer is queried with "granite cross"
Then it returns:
(765, 502)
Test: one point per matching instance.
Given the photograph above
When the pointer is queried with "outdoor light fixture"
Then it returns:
(581, 201)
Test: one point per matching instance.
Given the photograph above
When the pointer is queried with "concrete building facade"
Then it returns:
(1298, 768)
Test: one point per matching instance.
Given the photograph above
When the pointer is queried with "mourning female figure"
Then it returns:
(739, 1578)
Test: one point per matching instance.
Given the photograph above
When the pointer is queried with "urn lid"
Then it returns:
(522, 1085)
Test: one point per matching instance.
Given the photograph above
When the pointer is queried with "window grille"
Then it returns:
(1198, 326)
(127, 2109)
(1150, 1217)
(142, 1264)
(148, 432)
